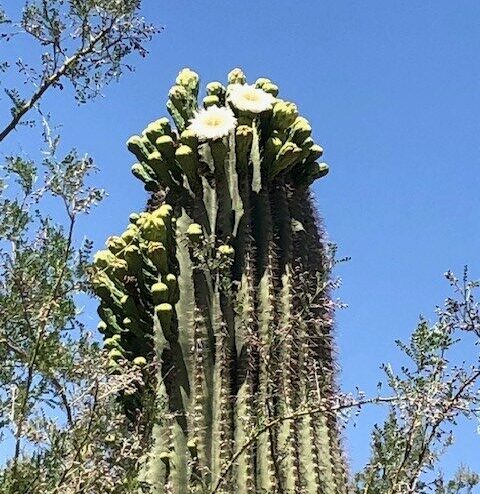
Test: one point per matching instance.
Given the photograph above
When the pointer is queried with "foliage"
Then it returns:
(61, 428)
(84, 42)
(430, 395)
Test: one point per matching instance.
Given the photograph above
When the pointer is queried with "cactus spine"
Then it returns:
(218, 292)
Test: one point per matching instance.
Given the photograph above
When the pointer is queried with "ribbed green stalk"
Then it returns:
(224, 289)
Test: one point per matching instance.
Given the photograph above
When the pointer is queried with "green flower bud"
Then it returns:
(115, 354)
(211, 100)
(165, 211)
(133, 218)
(244, 137)
(189, 80)
(130, 234)
(236, 76)
(272, 148)
(271, 89)
(115, 244)
(112, 343)
(195, 233)
(286, 157)
(132, 255)
(102, 327)
(153, 228)
(164, 313)
(322, 170)
(157, 129)
(140, 361)
(103, 259)
(140, 171)
(189, 138)
(157, 253)
(316, 152)
(284, 114)
(300, 130)
(261, 81)
(216, 89)
(226, 251)
(187, 161)
(172, 284)
(166, 147)
(137, 147)
(159, 293)
(178, 96)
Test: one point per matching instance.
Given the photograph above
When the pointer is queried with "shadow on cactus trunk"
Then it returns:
(220, 291)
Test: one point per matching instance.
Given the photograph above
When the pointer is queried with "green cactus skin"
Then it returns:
(219, 297)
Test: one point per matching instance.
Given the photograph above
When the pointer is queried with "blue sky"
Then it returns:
(392, 91)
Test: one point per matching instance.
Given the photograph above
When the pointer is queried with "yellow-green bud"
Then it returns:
(140, 361)
(115, 244)
(236, 76)
(141, 172)
(216, 88)
(103, 259)
(316, 152)
(172, 283)
(164, 313)
(195, 232)
(226, 251)
(166, 147)
(159, 293)
(111, 342)
(271, 88)
(153, 228)
(130, 234)
(132, 255)
(102, 327)
(115, 354)
(133, 218)
(156, 129)
(286, 157)
(186, 159)
(261, 81)
(136, 146)
(178, 96)
(284, 114)
(157, 253)
(211, 100)
(300, 130)
(272, 147)
(188, 79)
(189, 138)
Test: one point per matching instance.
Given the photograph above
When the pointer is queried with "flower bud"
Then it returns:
(284, 114)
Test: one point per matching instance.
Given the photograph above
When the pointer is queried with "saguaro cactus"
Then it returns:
(223, 284)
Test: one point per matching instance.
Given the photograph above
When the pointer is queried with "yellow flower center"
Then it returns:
(250, 96)
(214, 121)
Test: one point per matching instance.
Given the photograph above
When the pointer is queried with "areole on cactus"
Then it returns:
(219, 292)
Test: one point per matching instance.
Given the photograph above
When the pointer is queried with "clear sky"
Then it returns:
(392, 89)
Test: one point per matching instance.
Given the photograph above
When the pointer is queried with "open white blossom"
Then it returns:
(213, 123)
(250, 98)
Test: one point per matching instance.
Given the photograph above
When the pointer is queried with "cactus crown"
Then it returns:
(219, 293)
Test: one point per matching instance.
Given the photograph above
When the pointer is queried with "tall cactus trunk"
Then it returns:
(220, 292)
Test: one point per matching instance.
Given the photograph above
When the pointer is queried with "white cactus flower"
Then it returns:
(249, 98)
(213, 122)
